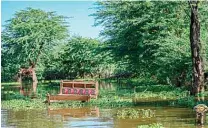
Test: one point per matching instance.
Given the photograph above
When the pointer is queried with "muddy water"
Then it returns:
(169, 117)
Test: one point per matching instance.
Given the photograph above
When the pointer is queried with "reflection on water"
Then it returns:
(74, 112)
(169, 117)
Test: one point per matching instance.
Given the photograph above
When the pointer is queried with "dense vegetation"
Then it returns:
(152, 53)
(27, 38)
(142, 40)
(115, 96)
(152, 38)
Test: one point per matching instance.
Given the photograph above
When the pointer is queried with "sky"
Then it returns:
(80, 23)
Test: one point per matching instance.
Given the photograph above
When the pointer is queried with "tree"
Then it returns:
(53, 67)
(80, 56)
(29, 35)
(142, 33)
(197, 60)
(150, 38)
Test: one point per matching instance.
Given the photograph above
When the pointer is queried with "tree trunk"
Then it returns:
(29, 73)
(180, 80)
(197, 70)
(35, 80)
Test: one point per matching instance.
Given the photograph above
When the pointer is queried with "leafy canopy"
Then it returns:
(28, 37)
(31, 32)
(149, 37)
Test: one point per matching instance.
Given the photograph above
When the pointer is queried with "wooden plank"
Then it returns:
(61, 87)
(72, 84)
(96, 90)
(79, 85)
(68, 85)
(79, 82)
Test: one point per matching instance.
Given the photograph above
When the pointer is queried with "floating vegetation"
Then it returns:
(28, 103)
(128, 113)
(135, 113)
(154, 125)
(111, 102)
(117, 98)
(161, 95)
(146, 113)
(18, 104)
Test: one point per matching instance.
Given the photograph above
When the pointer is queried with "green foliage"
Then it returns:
(28, 36)
(157, 95)
(83, 57)
(146, 39)
(53, 67)
(79, 56)
(150, 38)
(9, 95)
(186, 101)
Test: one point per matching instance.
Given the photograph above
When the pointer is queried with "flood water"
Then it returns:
(95, 117)
(169, 117)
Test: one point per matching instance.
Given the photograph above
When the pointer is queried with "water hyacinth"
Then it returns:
(154, 125)
(23, 104)
(135, 113)
(116, 98)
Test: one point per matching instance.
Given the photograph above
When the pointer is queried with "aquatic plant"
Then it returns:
(146, 113)
(24, 104)
(111, 102)
(174, 94)
(135, 113)
(127, 113)
(106, 98)
(154, 125)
